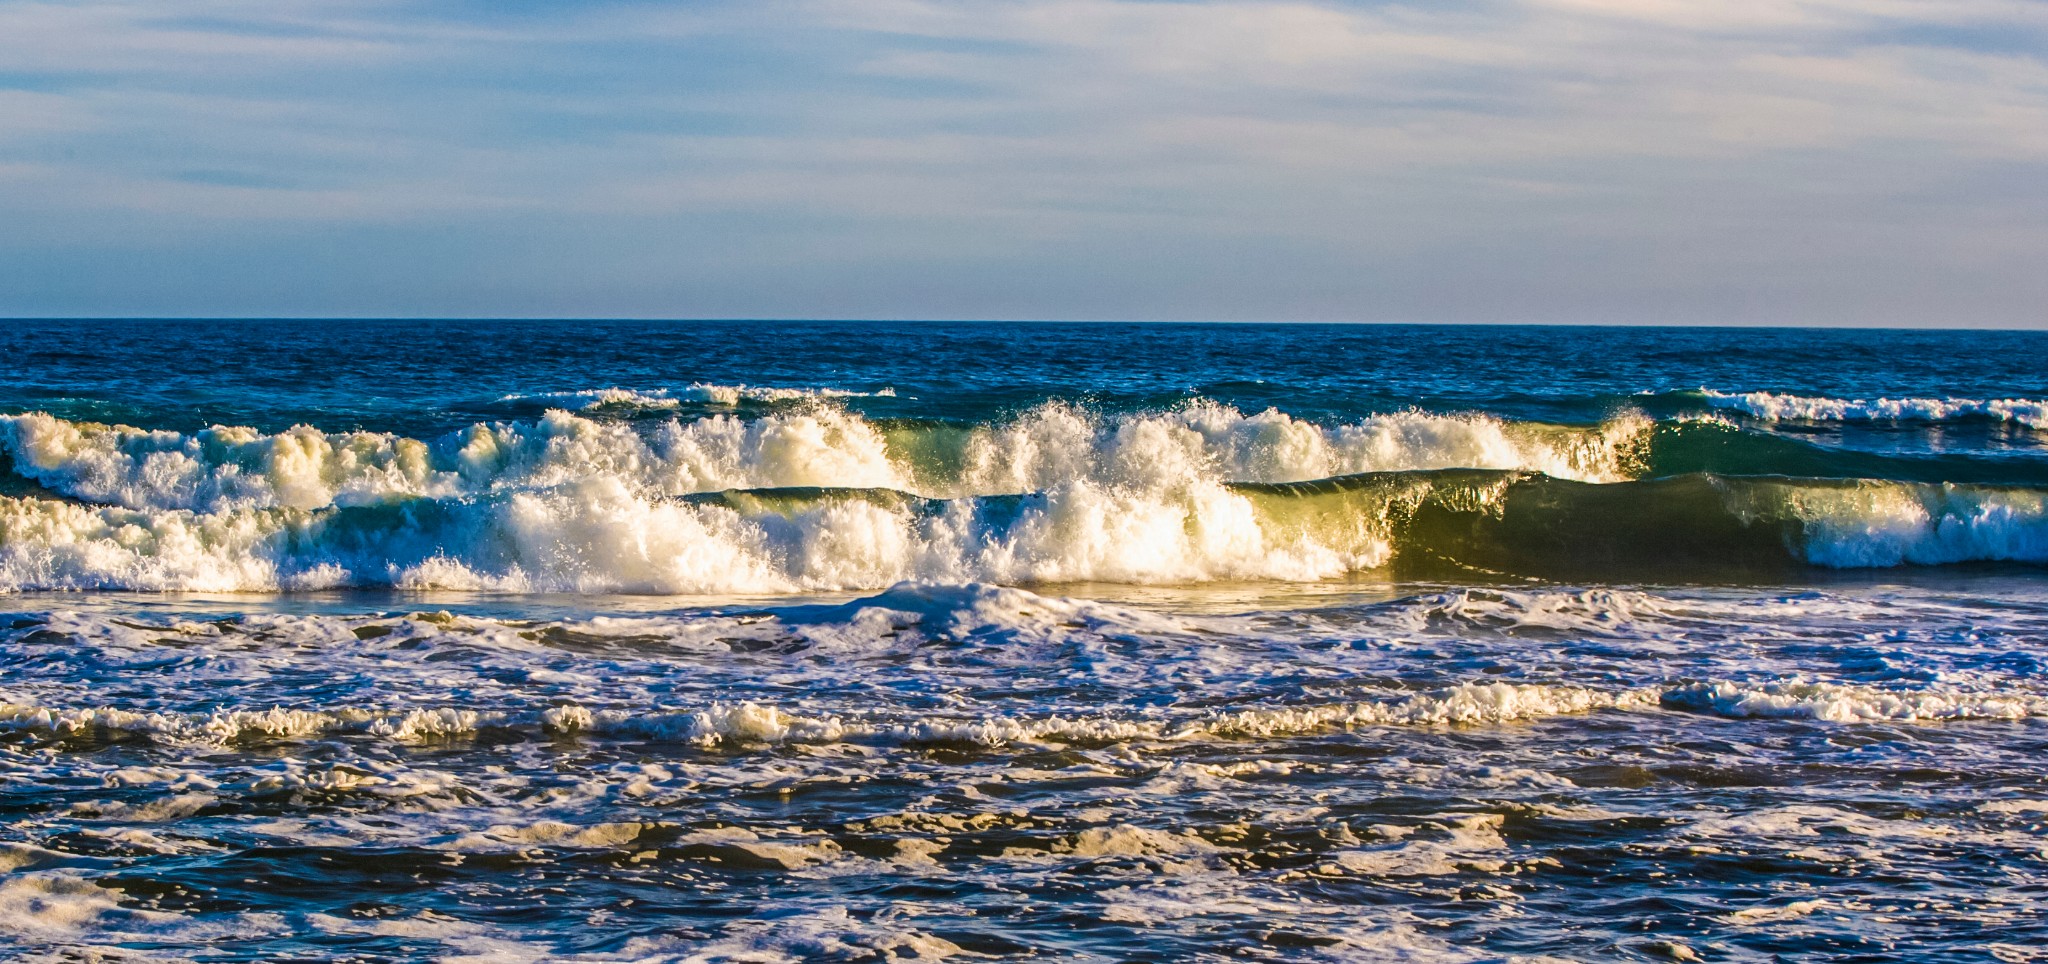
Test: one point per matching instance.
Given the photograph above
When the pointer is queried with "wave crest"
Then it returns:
(1775, 407)
(227, 467)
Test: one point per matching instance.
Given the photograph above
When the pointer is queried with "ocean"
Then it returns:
(767, 641)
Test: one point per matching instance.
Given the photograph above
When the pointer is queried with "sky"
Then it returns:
(1826, 162)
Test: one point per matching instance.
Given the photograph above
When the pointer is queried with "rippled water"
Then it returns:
(669, 643)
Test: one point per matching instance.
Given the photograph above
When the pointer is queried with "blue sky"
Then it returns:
(1612, 161)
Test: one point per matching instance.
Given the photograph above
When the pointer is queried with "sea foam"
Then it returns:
(1772, 406)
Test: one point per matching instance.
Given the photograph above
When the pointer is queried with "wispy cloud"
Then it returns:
(1611, 160)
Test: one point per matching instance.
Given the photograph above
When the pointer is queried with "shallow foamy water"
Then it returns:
(1437, 772)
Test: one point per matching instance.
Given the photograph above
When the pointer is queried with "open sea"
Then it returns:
(770, 641)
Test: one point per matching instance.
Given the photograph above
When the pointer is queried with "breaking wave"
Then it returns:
(813, 497)
(227, 467)
(600, 535)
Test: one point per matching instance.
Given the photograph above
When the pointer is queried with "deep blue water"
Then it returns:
(423, 376)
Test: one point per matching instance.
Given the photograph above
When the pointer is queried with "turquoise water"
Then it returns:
(773, 641)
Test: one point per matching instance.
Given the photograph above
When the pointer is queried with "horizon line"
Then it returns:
(2041, 326)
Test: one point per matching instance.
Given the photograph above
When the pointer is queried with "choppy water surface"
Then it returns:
(481, 641)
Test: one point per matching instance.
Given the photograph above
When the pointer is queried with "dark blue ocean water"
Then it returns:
(609, 641)
(425, 376)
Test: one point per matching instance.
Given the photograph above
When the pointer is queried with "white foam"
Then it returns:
(82, 920)
(747, 723)
(1771, 406)
(2014, 807)
(219, 467)
(602, 398)
(1603, 612)
(1457, 844)
(1163, 852)
(1779, 913)
(224, 468)
(1468, 704)
(551, 833)
(1883, 524)
(49, 906)
(1853, 703)
(600, 536)
(1206, 440)
(218, 727)
(703, 393)
(825, 934)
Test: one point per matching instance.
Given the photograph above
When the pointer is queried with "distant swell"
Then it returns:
(628, 400)
(1771, 406)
